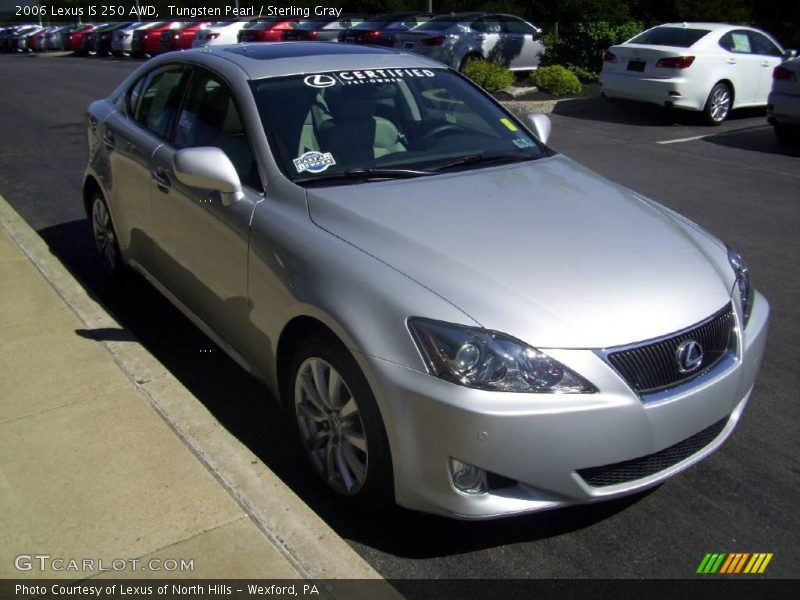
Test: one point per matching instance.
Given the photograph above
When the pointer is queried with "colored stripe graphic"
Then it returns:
(723, 563)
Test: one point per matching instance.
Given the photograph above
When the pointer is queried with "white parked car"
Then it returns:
(783, 108)
(221, 32)
(707, 67)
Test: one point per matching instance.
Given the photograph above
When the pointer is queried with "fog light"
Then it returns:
(468, 479)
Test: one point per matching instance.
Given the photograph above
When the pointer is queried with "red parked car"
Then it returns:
(181, 39)
(148, 41)
(75, 38)
(266, 30)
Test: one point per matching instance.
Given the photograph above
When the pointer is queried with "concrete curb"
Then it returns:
(307, 542)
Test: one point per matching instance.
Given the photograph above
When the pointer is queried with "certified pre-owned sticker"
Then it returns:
(313, 161)
(323, 80)
(320, 80)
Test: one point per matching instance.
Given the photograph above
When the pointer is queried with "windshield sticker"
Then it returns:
(523, 143)
(319, 81)
(313, 161)
(323, 80)
(509, 124)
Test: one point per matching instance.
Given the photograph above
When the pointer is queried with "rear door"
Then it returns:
(522, 42)
(486, 35)
(743, 66)
(131, 135)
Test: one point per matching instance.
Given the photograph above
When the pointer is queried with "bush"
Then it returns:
(582, 43)
(489, 75)
(556, 80)
(583, 75)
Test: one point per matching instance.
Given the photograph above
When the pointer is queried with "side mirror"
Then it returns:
(540, 125)
(790, 54)
(208, 168)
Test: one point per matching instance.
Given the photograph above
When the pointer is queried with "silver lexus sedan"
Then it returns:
(459, 318)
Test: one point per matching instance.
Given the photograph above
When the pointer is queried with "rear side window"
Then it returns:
(158, 99)
(670, 36)
(736, 41)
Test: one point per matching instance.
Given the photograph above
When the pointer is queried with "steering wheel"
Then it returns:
(439, 130)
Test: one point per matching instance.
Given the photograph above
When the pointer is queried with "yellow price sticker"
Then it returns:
(509, 124)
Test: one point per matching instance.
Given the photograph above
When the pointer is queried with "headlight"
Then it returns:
(742, 283)
(488, 360)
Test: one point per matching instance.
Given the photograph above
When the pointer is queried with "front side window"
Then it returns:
(762, 45)
(425, 120)
(158, 98)
(210, 117)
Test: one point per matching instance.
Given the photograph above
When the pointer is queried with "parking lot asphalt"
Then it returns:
(735, 180)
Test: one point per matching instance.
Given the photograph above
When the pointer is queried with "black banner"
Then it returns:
(733, 587)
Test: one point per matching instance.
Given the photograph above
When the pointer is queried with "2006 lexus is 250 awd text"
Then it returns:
(460, 319)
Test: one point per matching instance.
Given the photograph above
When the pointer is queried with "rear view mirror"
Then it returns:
(208, 168)
(789, 54)
(540, 125)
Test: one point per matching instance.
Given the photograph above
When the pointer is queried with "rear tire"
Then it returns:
(105, 237)
(719, 103)
(339, 424)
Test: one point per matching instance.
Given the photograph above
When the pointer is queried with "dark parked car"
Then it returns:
(321, 29)
(382, 30)
(267, 30)
(99, 41)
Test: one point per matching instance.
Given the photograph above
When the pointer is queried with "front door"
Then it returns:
(201, 243)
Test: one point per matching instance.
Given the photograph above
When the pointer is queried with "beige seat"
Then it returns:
(352, 132)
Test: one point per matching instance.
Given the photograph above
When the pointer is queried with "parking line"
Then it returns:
(689, 139)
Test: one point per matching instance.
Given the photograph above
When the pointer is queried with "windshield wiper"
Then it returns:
(470, 159)
(367, 175)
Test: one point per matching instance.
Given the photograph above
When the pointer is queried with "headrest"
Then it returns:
(356, 101)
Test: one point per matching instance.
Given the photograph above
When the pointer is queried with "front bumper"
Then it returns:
(539, 442)
(653, 90)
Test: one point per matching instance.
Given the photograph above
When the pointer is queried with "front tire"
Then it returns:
(719, 103)
(105, 238)
(339, 423)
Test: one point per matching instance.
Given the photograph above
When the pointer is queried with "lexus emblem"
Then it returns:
(689, 356)
(320, 81)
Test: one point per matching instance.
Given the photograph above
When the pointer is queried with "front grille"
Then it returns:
(653, 366)
(639, 468)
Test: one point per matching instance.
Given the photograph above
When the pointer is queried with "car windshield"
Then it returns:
(670, 36)
(386, 123)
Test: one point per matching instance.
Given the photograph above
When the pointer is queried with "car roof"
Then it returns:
(709, 26)
(278, 59)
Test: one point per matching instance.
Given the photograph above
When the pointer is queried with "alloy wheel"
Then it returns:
(720, 104)
(331, 426)
(104, 238)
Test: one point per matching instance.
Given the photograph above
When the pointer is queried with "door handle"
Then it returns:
(766, 64)
(731, 61)
(480, 37)
(108, 139)
(161, 179)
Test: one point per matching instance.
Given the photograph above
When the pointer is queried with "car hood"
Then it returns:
(546, 251)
